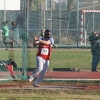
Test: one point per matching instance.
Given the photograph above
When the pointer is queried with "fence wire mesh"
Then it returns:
(64, 18)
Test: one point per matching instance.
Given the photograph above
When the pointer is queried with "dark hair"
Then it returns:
(13, 23)
(47, 33)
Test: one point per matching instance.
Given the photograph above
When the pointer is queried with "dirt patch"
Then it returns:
(55, 85)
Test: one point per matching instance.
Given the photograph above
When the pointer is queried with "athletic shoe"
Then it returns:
(30, 79)
(36, 85)
(94, 71)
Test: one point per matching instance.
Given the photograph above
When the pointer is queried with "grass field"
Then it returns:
(6, 94)
(60, 58)
(45, 94)
(71, 58)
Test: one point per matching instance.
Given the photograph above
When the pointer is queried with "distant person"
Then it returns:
(95, 50)
(15, 32)
(43, 56)
(6, 37)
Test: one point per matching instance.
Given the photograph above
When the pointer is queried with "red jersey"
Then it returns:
(44, 51)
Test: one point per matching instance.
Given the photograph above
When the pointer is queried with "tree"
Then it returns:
(35, 4)
(71, 4)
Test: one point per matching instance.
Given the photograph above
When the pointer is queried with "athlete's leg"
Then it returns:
(39, 68)
(43, 72)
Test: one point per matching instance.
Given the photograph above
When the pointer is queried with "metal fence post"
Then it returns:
(24, 55)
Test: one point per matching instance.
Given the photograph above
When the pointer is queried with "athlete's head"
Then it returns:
(13, 23)
(47, 33)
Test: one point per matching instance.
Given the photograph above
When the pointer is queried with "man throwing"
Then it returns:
(42, 59)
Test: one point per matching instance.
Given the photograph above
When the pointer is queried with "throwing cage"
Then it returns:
(70, 22)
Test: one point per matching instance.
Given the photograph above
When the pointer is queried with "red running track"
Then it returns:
(62, 75)
(73, 75)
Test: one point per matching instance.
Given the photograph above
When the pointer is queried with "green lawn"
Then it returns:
(60, 58)
(71, 58)
(51, 94)
(34, 94)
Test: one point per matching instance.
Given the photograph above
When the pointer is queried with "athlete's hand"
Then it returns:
(36, 38)
(36, 41)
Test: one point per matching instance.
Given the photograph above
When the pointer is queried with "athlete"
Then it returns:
(42, 59)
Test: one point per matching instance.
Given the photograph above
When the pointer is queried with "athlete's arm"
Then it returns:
(49, 42)
(36, 41)
(45, 42)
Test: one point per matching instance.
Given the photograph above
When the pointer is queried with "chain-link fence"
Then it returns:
(62, 17)
(70, 22)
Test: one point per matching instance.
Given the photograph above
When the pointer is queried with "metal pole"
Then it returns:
(45, 9)
(4, 10)
(51, 15)
(85, 33)
(60, 21)
(44, 15)
(24, 45)
(93, 15)
(77, 20)
(68, 23)
(27, 16)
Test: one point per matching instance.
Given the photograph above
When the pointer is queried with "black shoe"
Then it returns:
(94, 71)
